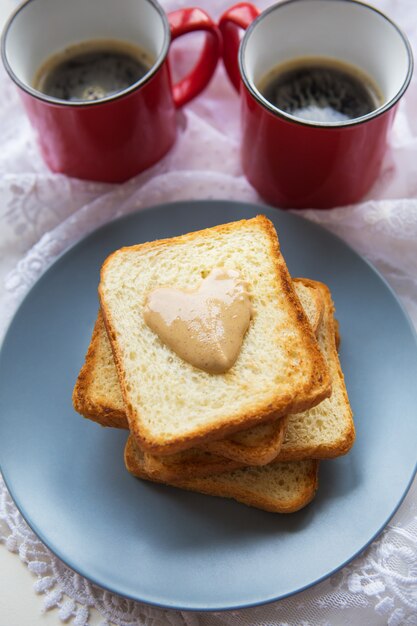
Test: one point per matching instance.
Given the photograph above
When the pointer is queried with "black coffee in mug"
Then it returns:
(92, 70)
(321, 90)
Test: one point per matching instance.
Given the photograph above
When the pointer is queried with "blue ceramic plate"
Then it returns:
(172, 548)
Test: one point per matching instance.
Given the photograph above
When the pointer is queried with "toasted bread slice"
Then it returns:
(97, 395)
(280, 368)
(276, 487)
(327, 430)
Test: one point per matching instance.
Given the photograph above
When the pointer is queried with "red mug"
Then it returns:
(120, 135)
(298, 163)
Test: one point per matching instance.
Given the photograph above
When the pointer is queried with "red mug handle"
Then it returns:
(238, 16)
(186, 21)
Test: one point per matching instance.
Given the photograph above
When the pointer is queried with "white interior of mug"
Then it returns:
(41, 28)
(342, 29)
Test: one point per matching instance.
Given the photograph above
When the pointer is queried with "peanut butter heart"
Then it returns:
(206, 326)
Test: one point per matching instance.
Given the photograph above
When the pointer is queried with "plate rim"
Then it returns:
(94, 232)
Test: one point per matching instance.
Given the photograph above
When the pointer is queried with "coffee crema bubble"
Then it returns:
(92, 70)
(321, 90)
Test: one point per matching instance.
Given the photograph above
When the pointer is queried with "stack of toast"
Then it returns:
(255, 432)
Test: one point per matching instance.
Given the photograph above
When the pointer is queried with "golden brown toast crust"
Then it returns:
(191, 463)
(264, 452)
(83, 402)
(315, 389)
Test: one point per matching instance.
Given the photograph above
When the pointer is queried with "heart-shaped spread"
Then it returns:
(206, 326)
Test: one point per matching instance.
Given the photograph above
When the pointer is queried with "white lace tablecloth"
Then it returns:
(41, 214)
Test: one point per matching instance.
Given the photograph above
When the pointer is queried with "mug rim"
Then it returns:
(85, 103)
(311, 123)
